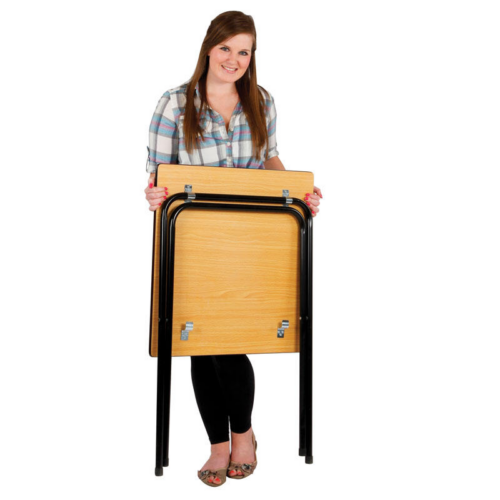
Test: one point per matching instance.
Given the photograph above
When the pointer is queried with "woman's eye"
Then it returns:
(243, 52)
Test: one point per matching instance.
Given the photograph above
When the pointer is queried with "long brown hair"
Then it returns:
(224, 26)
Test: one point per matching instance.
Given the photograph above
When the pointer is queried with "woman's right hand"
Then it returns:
(155, 195)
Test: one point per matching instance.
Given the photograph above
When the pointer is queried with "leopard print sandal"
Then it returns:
(245, 469)
(206, 476)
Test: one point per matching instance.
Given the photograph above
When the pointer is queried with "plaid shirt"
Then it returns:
(220, 148)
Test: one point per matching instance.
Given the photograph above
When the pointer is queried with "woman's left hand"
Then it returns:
(312, 199)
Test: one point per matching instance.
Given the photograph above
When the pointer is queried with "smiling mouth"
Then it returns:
(230, 70)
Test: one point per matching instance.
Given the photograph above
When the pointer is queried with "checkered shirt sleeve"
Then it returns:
(163, 135)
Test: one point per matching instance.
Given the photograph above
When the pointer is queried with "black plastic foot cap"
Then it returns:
(159, 471)
(309, 460)
(302, 452)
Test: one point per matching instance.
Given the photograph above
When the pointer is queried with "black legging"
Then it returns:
(224, 387)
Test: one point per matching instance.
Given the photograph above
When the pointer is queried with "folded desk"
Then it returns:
(236, 288)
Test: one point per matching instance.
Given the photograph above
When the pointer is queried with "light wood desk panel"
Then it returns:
(236, 273)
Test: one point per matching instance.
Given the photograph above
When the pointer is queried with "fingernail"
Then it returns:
(306, 198)
(321, 196)
(164, 197)
(313, 211)
(307, 202)
(150, 184)
(307, 194)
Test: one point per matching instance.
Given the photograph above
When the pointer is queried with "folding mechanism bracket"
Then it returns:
(185, 333)
(281, 331)
(286, 194)
(188, 188)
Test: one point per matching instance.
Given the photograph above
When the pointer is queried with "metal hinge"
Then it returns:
(281, 331)
(185, 333)
(286, 194)
(191, 196)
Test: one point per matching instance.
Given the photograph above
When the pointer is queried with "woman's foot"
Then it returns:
(242, 450)
(219, 458)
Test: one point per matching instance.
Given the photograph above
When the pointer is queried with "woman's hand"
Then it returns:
(155, 195)
(312, 199)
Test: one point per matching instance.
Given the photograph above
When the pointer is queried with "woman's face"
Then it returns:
(230, 59)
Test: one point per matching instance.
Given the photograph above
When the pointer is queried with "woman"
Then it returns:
(221, 117)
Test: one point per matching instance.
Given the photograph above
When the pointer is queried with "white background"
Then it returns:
(394, 105)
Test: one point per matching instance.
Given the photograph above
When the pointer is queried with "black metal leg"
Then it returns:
(159, 410)
(303, 346)
(169, 306)
(302, 413)
(166, 408)
(164, 349)
(309, 346)
(160, 396)
(308, 397)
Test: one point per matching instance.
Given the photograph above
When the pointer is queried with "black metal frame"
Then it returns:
(165, 312)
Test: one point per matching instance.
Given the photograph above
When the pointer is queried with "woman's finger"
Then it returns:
(155, 189)
(156, 200)
(156, 196)
(312, 200)
(152, 180)
(313, 197)
(155, 205)
(317, 190)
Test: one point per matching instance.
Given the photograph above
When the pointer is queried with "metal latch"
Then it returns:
(281, 331)
(188, 189)
(185, 333)
(286, 194)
